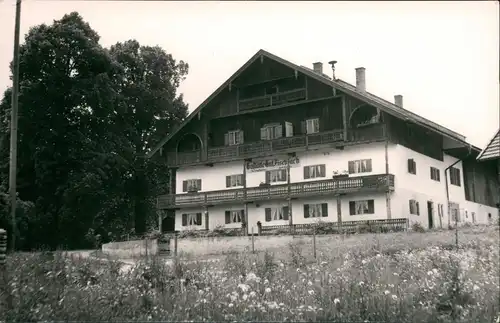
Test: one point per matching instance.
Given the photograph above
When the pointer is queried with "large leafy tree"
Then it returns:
(149, 107)
(88, 115)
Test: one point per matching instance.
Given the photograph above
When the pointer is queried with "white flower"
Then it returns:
(251, 276)
(266, 281)
(252, 294)
(364, 261)
(309, 283)
(361, 283)
(268, 290)
(311, 292)
(387, 292)
(475, 287)
(394, 297)
(245, 296)
(336, 301)
(200, 292)
(244, 288)
(230, 305)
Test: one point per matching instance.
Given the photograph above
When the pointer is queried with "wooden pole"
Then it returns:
(13, 125)
(253, 242)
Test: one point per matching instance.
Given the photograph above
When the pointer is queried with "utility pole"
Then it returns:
(13, 126)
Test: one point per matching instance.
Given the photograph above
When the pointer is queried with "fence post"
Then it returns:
(253, 242)
(314, 241)
(5, 301)
(175, 244)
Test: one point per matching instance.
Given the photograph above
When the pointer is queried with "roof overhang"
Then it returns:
(495, 156)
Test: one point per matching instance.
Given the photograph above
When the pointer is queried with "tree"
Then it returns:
(149, 107)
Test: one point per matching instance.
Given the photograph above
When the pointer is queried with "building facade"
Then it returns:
(280, 144)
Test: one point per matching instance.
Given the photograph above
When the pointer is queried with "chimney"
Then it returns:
(360, 79)
(318, 68)
(332, 63)
(398, 100)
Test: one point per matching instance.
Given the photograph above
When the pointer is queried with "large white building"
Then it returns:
(280, 144)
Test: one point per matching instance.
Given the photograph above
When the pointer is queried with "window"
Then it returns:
(271, 131)
(435, 174)
(234, 180)
(191, 219)
(310, 126)
(412, 166)
(274, 176)
(455, 176)
(315, 210)
(233, 138)
(440, 210)
(277, 213)
(360, 166)
(191, 185)
(314, 171)
(473, 215)
(235, 216)
(414, 207)
(361, 207)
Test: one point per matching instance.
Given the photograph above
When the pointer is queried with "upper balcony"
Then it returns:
(370, 183)
(375, 132)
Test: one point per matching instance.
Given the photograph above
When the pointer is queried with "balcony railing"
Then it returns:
(280, 145)
(272, 99)
(331, 186)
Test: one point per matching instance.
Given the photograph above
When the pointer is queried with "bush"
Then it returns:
(417, 227)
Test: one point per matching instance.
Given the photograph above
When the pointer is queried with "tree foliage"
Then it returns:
(87, 117)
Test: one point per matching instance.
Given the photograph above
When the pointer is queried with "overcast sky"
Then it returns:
(443, 57)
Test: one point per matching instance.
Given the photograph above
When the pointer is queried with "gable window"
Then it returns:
(360, 166)
(310, 126)
(361, 207)
(191, 219)
(314, 171)
(191, 185)
(435, 174)
(234, 137)
(277, 175)
(234, 180)
(277, 213)
(271, 131)
(414, 207)
(455, 176)
(412, 166)
(235, 216)
(315, 210)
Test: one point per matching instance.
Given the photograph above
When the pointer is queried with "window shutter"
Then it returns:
(184, 220)
(411, 206)
(242, 216)
(198, 218)
(322, 170)
(228, 181)
(418, 208)
(184, 186)
(240, 179)
(371, 207)
(303, 127)
(226, 139)
(352, 208)
(306, 172)
(278, 131)
(351, 167)
(368, 165)
(240, 137)
(268, 214)
(458, 177)
(409, 166)
(324, 209)
(316, 125)
(263, 134)
(438, 175)
(285, 212)
(432, 173)
(306, 210)
(198, 184)
(228, 217)
(268, 176)
(283, 174)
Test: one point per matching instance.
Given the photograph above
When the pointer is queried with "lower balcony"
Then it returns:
(370, 183)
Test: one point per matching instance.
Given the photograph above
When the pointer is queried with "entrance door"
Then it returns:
(430, 212)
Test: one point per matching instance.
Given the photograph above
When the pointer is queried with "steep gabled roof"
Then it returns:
(345, 87)
(492, 150)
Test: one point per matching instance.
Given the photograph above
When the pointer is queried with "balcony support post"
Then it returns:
(339, 212)
(388, 192)
(205, 211)
(344, 117)
(288, 194)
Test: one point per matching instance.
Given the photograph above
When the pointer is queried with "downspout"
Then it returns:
(448, 190)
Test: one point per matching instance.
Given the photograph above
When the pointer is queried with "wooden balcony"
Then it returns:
(280, 145)
(272, 99)
(370, 183)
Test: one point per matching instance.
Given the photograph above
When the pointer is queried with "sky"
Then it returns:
(443, 57)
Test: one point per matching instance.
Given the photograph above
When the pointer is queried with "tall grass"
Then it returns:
(405, 283)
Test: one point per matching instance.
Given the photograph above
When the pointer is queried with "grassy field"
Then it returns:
(399, 277)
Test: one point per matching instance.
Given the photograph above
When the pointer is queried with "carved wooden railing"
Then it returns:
(272, 99)
(368, 183)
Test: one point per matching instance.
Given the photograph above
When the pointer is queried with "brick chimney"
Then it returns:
(360, 79)
(398, 100)
(318, 67)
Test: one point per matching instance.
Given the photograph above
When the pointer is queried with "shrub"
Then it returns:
(417, 227)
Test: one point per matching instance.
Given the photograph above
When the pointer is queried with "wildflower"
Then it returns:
(245, 296)
(230, 305)
(394, 297)
(309, 283)
(475, 287)
(311, 292)
(243, 287)
(361, 283)
(336, 301)
(364, 262)
(200, 292)
(268, 290)
(387, 292)
(252, 294)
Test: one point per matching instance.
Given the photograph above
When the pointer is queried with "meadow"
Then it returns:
(394, 277)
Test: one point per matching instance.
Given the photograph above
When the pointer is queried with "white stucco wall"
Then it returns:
(212, 178)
